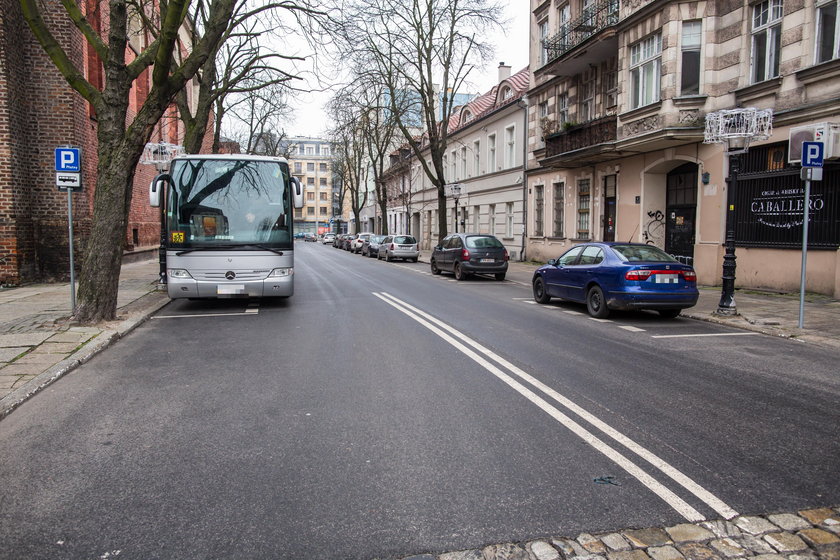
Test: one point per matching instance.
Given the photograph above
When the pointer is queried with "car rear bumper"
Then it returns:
(652, 300)
(488, 268)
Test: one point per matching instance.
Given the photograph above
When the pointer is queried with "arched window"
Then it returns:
(467, 116)
(507, 93)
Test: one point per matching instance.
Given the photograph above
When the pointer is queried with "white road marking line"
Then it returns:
(669, 497)
(703, 335)
(531, 302)
(572, 312)
(202, 315)
(631, 328)
(600, 320)
(522, 299)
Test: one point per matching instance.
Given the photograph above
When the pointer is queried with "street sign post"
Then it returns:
(812, 162)
(68, 177)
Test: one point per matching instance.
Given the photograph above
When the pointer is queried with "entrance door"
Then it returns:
(608, 219)
(680, 212)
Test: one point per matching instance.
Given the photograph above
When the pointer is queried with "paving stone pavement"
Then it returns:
(812, 534)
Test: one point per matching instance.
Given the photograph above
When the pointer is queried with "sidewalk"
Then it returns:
(38, 344)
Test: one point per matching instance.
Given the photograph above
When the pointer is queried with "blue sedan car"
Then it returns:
(626, 276)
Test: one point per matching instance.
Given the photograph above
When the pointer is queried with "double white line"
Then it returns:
(483, 357)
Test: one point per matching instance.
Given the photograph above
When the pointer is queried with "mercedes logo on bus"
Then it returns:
(230, 275)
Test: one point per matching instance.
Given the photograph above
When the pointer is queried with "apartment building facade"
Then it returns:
(310, 160)
(618, 101)
(485, 159)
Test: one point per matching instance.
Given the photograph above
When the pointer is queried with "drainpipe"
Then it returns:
(523, 103)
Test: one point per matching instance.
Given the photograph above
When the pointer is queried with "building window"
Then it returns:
(322, 181)
(690, 49)
(543, 27)
(322, 167)
(310, 150)
(468, 116)
(492, 218)
(583, 209)
(562, 110)
(310, 211)
(491, 153)
(509, 220)
(454, 162)
(325, 150)
(298, 212)
(559, 202)
(310, 166)
(310, 181)
(310, 196)
(645, 63)
(507, 93)
(464, 162)
(611, 85)
(323, 196)
(766, 40)
(538, 210)
(477, 158)
(510, 147)
(587, 95)
(298, 167)
(323, 210)
(828, 31)
(476, 218)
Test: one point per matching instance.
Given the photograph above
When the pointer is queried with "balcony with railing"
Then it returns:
(594, 19)
(578, 144)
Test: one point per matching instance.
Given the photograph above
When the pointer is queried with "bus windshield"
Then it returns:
(224, 203)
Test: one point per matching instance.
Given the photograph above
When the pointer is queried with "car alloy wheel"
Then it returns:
(539, 291)
(459, 274)
(435, 269)
(595, 303)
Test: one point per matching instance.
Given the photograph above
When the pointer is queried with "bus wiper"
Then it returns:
(229, 248)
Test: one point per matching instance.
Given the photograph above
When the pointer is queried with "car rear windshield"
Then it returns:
(404, 239)
(483, 242)
(642, 253)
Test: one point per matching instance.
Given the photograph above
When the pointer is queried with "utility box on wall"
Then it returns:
(825, 132)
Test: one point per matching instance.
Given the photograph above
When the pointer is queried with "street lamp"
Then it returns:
(455, 190)
(735, 129)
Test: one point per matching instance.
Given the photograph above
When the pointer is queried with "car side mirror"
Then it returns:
(438, 247)
(553, 262)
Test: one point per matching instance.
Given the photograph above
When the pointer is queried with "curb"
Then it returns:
(96, 345)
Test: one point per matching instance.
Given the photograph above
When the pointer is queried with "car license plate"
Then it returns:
(230, 289)
(487, 260)
(405, 246)
(667, 278)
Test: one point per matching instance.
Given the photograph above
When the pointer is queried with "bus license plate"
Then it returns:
(667, 279)
(230, 289)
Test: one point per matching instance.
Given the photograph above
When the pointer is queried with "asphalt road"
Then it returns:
(383, 412)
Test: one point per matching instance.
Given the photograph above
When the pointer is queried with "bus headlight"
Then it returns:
(179, 273)
(281, 272)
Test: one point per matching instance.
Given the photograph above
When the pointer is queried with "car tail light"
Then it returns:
(507, 255)
(689, 276)
(465, 255)
(638, 275)
(391, 248)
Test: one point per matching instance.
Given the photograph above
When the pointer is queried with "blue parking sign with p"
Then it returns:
(68, 160)
(812, 154)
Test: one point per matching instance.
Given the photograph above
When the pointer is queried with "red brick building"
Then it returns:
(39, 112)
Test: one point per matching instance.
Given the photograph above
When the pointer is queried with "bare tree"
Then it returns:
(425, 49)
(120, 140)
(350, 161)
(257, 118)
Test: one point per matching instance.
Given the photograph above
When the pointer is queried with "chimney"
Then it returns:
(504, 71)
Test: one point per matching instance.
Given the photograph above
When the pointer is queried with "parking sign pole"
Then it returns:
(804, 252)
(72, 264)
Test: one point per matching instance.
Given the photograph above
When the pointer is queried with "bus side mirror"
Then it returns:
(156, 190)
(297, 193)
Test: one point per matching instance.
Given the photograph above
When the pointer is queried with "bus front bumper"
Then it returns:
(268, 287)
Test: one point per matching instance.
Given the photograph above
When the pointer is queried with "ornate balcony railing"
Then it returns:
(582, 136)
(594, 18)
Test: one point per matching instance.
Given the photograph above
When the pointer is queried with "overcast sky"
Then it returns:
(512, 49)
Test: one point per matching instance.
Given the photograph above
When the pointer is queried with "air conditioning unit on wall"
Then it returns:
(825, 132)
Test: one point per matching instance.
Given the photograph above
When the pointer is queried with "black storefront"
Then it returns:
(770, 200)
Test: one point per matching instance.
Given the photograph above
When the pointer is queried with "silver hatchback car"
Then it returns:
(399, 247)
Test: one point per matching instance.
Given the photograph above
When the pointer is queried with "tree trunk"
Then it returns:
(442, 227)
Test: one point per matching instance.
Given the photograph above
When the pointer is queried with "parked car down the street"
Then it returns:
(607, 276)
(309, 236)
(358, 240)
(464, 254)
(370, 248)
(328, 238)
(399, 247)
